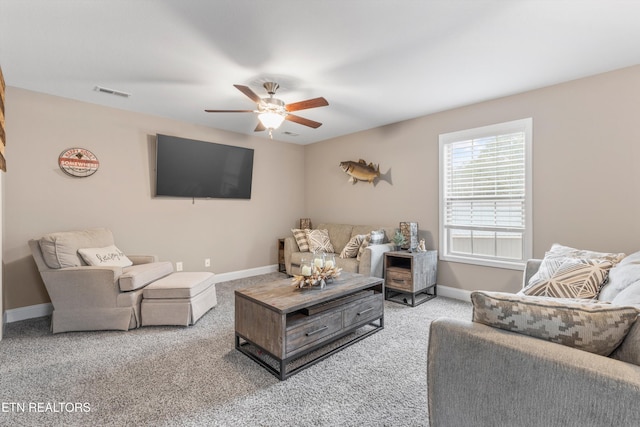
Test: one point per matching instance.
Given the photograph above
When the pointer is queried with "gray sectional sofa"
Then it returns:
(369, 264)
(480, 375)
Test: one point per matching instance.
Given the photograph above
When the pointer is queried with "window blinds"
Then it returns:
(484, 186)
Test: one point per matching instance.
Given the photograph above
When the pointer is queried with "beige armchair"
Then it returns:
(88, 297)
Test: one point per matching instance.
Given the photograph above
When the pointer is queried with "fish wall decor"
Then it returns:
(361, 171)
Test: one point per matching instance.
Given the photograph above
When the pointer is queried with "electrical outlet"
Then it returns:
(207, 262)
(179, 266)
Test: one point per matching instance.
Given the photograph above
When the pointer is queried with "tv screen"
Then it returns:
(190, 168)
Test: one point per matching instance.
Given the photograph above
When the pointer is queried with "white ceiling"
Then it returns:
(375, 61)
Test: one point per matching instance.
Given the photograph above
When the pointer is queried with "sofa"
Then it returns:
(369, 262)
(484, 374)
(93, 297)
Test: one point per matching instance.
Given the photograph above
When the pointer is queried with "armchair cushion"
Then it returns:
(138, 276)
(596, 328)
(60, 250)
(109, 256)
(629, 350)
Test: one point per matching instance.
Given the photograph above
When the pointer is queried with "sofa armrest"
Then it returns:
(483, 376)
(532, 267)
(143, 259)
(86, 286)
(372, 260)
(290, 246)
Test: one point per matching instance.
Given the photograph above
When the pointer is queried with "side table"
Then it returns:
(410, 277)
(282, 268)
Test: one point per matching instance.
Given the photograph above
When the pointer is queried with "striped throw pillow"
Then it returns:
(301, 239)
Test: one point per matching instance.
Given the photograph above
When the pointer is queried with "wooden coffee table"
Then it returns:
(286, 329)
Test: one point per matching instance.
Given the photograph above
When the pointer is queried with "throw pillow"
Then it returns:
(353, 246)
(363, 246)
(377, 237)
(593, 327)
(625, 274)
(560, 251)
(109, 256)
(319, 241)
(568, 278)
(301, 239)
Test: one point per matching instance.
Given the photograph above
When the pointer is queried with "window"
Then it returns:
(485, 195)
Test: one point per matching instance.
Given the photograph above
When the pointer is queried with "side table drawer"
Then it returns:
(316, 328)
(399, 278)
(364, 311)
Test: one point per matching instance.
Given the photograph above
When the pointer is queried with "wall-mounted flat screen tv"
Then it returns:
(190, 168)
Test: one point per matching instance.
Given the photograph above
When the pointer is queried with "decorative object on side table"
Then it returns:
(421, 246)
(305, 223)
(410, 232)
(318, 271)
(398, 240)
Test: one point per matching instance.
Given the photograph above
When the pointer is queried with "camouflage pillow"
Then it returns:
(593, 327)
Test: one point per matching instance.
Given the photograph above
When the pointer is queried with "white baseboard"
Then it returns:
(241, 274)
(28, 312)
(455, 293)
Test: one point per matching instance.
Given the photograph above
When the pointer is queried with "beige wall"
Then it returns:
(586, 181)
(39, 198)
(586, 174)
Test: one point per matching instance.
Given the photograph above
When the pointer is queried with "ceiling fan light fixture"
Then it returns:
(270, 119)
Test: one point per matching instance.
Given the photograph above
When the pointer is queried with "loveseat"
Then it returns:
(369, 262)
(481, 375)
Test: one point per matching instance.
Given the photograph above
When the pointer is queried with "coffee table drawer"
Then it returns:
(313, 330)
(369, 308)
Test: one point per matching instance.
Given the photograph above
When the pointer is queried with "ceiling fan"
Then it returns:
(273, 111)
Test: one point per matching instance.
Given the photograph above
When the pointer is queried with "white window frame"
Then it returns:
(523, 125)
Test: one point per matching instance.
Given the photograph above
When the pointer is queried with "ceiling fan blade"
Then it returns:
(260, 127)
(303, 121)
(247, 91)
(309, 103)
(229, 111)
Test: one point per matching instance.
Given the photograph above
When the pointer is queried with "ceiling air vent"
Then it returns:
(290, 133)
(112, 91)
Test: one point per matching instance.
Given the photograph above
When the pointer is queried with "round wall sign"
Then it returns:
(78, 162)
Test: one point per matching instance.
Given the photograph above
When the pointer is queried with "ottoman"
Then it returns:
(178, 299)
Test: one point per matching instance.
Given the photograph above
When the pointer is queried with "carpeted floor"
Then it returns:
(175, 376)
